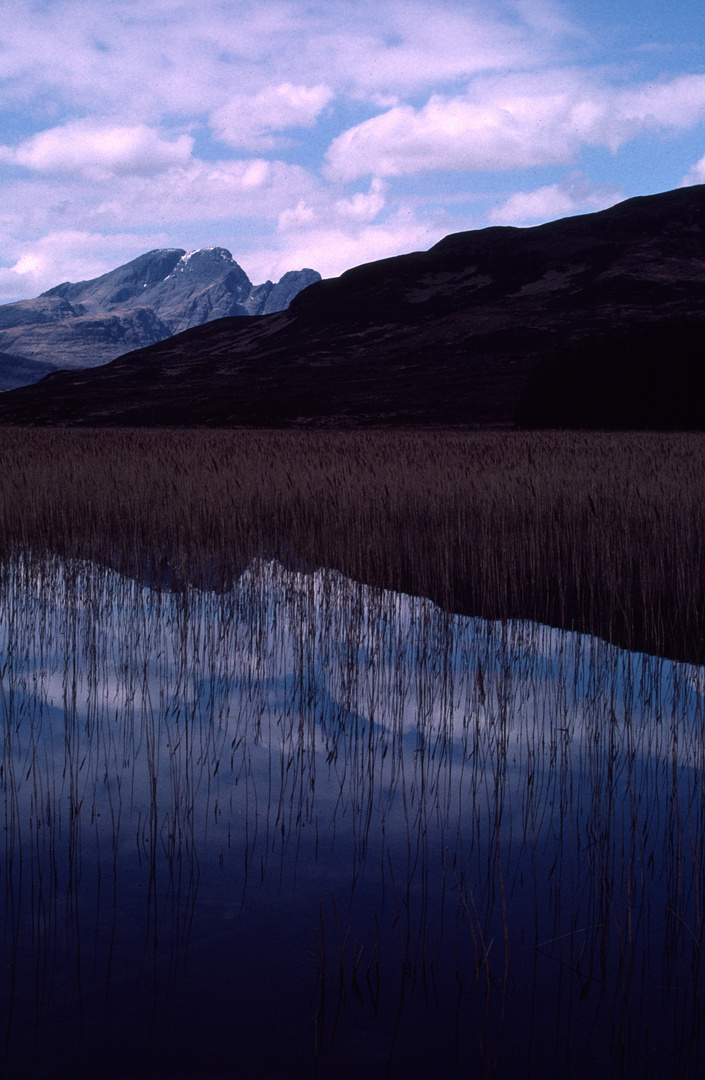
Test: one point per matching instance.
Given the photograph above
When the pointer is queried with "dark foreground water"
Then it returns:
(309, 829)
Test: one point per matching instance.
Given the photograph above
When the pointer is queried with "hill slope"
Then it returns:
(17, 371)
(456, 335)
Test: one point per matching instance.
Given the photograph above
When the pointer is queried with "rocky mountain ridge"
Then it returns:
(487, 328)
(86, 323)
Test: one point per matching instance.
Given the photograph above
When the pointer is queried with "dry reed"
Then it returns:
(603, 533)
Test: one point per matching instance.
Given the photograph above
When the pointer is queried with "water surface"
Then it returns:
(305, 828)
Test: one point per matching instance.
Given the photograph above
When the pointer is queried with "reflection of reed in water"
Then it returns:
(493, 824)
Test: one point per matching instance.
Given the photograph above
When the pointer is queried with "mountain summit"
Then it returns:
(163, 292)
(596, 320)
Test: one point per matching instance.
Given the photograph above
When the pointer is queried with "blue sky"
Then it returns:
(326, 134)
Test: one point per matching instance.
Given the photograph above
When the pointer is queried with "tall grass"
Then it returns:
(596, 532)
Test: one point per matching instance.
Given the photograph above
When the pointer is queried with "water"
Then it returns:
(306, 828)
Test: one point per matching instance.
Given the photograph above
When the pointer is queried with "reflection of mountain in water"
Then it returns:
(412, 840)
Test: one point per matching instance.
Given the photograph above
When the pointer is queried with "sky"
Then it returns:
(327, 134)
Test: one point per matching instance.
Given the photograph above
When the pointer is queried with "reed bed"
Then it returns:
(597, 532)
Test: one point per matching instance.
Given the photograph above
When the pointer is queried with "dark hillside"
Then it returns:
(646, 378)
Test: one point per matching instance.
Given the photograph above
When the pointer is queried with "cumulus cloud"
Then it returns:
(675, 103)
(251, 121)
(99, 150)
(574, 195)
(453, 133)
(511, 123)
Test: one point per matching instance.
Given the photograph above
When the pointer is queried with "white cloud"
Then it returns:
(141, 58)
(149, 58)
(296, 217)
(324, 211)
(455, 133)
(333, 248)
(363, 206)
(675, 103)
(68, 255)
(252, 121)
(99, 150)
(208, 191)
(574, 195)
(400, 47)
(695, 175)
(512, 122)
(547, 17)
(330, 241)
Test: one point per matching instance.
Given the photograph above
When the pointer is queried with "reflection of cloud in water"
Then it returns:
(340, 737)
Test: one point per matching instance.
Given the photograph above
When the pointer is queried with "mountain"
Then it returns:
(480, 330)
(86, 323)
